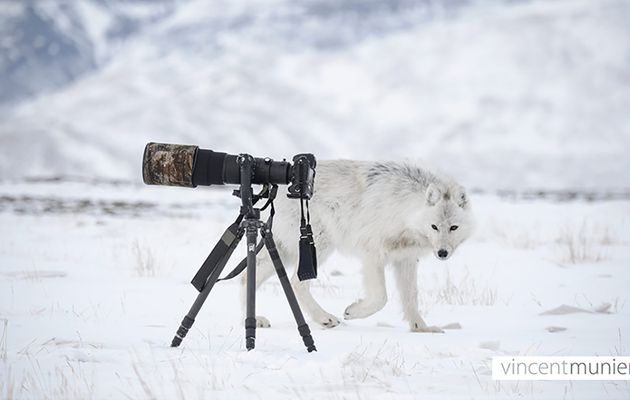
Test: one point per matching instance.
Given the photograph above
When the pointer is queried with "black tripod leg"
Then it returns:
(251, 233)
(303, 328)
(189, 319)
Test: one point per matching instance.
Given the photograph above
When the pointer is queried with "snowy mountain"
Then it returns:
(502, 94)
(47, 44)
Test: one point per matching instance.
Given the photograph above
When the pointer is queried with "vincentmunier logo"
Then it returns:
(561, 368)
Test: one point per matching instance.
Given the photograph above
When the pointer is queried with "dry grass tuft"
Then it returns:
(580, 244)
(464, 291)
(67, 381)
(365, 365)
(7, 385)
(3, 339)
(145, 262)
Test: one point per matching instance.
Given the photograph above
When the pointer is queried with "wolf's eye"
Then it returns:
(434, 227)
(454, 227)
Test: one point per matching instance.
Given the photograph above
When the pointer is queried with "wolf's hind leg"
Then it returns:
(310, 305)
(406, 273)
(375, 293)
(303, 292)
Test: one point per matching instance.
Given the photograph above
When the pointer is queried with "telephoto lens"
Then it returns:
(191, 166)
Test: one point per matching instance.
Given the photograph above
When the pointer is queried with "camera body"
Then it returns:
(191, 166)
(303, 176)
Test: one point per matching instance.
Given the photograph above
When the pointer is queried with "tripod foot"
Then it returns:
(305, 332)
(182, 331)
(250, 343)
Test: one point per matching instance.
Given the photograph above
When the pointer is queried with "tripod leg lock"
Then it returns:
(305, 332)
(186, 324)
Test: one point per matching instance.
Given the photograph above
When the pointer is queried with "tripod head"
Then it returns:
(246, 193)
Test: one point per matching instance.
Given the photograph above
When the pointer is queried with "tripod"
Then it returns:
(249, 224)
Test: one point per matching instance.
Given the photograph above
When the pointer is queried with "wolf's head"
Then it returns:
(447, 219)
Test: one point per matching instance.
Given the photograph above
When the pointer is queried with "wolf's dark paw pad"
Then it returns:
(425, 329)
(329, 322)
(262, 322)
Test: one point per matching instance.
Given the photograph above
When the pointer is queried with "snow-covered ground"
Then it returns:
(94, 280)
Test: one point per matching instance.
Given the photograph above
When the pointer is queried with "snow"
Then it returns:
(95, 281)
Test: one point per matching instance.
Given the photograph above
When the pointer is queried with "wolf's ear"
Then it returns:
(460, 197)
(433, 195)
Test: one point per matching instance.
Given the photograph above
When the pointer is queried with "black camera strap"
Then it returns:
(307, 265)
(221, 251)
(219, 254)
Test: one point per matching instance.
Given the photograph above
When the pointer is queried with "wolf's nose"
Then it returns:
(442, 253)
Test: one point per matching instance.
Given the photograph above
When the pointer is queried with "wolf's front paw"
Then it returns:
(354, 310)
(421, 327)
(328, 321)
(262, 322)
(363, 308)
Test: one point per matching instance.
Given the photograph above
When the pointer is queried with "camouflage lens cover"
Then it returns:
(168, 164)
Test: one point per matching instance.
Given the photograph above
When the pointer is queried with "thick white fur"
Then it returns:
(382, 213)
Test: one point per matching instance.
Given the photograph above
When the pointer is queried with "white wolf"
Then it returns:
(381, 212)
